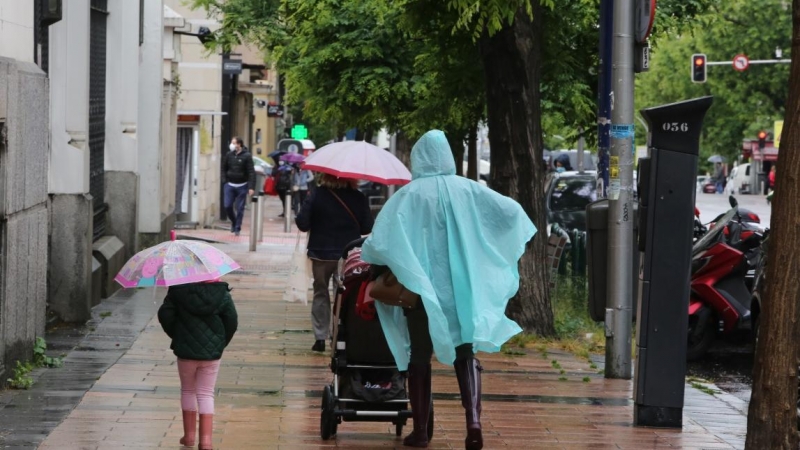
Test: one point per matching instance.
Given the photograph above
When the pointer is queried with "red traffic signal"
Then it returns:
(762, 140)
(699, 68)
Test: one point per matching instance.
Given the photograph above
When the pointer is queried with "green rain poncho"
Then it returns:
(457, 244)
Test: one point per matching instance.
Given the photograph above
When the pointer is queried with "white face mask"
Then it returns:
(232, 147)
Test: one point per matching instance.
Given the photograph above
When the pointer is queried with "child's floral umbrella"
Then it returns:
(175, 262)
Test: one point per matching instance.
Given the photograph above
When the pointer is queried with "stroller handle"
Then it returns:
(352, 245)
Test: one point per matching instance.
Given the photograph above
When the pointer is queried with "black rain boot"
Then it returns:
(468, 372)
(419, 390)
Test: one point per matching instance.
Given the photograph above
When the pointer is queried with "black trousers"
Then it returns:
(420, 337)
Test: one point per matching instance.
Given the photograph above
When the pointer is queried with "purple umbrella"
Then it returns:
(293, 158)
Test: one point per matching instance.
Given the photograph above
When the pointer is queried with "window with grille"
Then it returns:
(97, 113)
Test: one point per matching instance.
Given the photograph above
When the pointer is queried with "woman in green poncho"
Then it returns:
(456, 243)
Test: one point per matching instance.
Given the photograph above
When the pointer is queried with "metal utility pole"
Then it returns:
(620, 193)
(604, 95)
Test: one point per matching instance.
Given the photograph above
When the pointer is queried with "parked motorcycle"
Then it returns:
(750, 221)
(723, 266)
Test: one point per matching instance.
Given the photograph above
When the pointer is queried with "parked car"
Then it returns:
(709, 187)
(739, 180)
(701, 182)
(567, 197)
(375, 192)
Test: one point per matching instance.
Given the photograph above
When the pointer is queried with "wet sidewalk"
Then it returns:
(270, 385)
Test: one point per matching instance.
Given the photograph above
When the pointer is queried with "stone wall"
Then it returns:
(24, 153)
(122, 189)
(70, 271)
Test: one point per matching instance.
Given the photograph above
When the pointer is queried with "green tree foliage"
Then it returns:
(744, 102)
(256, 22)
(448, 84)
(348, 61)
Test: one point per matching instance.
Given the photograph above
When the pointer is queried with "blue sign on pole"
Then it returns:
(604, 95)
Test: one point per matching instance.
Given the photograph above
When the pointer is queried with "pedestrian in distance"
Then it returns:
(284, 175)
(300, 185)
(201, 320)
(335, 214)
(719, 178)
(771, 177)
(457, 244)
(562, 163)
(239, 182)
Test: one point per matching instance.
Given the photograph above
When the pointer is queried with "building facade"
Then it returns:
(89, 95)
(214, 107)
(24, 209)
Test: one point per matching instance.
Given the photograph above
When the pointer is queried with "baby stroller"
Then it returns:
(366, 383)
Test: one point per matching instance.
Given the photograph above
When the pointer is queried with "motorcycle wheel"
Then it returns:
(701, 334)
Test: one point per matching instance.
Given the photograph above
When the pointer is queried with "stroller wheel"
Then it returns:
(328, 422)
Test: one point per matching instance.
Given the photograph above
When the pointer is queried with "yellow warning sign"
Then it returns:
(778, 131)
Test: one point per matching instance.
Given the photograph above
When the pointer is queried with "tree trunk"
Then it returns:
(456, 141)
(473, 158)
(364, 134)
(403, 149)
(772, 418)
(512, 61)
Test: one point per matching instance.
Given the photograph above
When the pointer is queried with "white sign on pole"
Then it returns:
(741, 62)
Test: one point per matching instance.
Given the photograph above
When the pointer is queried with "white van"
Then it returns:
(739, 180)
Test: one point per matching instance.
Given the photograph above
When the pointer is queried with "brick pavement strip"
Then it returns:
(270, 385)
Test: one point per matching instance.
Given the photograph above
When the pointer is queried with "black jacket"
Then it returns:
(331, 226)
(239, 169)
(200, 318)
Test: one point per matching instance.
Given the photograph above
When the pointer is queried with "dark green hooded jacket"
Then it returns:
(200, 318)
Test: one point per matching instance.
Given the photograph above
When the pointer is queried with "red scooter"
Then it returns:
(722, 265)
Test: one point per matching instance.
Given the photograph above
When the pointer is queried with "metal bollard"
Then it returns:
(260, 225)
(253, 222)
(287, 214)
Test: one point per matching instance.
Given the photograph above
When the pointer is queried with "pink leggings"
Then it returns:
(198, 379)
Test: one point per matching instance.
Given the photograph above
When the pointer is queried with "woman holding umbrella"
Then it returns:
(336, 213)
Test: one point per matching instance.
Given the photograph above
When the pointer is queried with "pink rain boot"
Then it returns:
(206, 429)
(189, 428)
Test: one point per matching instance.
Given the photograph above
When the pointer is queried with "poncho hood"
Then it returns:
(431, 156)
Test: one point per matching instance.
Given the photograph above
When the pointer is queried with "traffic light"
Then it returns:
(699, 68)
(762, 140)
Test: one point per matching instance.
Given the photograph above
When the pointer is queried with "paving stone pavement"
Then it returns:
(270, 383)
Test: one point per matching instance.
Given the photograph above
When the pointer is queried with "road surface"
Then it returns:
(712, 205)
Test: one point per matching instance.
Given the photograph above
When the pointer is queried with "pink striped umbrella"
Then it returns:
(358, 160)
(175, 262)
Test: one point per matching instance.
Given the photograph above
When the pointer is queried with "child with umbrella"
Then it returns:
(199, 316)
